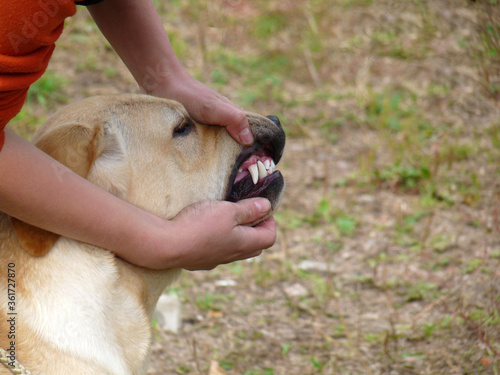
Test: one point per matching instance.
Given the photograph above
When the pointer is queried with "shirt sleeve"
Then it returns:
(88, 2)
(28, 31)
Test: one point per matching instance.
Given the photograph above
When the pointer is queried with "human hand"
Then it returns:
(206, 106)
(211, 233)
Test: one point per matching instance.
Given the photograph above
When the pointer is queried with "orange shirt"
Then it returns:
(28, 31)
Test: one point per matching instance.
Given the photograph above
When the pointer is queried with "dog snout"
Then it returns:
(275, 120)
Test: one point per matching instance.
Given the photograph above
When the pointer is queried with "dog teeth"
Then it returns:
(262, 169)
(254, 171)
(271, 167)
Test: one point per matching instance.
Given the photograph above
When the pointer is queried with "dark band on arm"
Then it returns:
(88, 2)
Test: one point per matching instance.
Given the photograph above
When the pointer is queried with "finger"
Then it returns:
(250, 210)
(232, 117)
(237, 126)
(259, 237)
(248, 255)
(267, 223)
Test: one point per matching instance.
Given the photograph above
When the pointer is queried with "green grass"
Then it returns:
(46, 90)
(43, 95)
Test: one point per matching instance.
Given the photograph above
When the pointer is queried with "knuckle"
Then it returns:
(206, 108)
(271, 239)
(240, 118)
(207, 104)
(250, 210)
(243, 211)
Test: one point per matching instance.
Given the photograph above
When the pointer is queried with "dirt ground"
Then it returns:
(388, 252)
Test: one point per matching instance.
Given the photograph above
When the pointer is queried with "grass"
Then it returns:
(392, 167)
(43, 94)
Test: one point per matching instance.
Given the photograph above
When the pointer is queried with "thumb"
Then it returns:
(250, 210)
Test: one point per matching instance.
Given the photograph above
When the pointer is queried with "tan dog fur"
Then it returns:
(81, 310)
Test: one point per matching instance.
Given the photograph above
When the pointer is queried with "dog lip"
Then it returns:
(244, 187)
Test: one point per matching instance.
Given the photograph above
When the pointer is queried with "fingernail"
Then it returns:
(246, 137)
(263, 205)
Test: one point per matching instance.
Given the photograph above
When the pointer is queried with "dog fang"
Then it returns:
(262, 169)
(254, 171)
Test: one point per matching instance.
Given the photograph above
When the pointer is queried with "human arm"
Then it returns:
(38, 190)
(135, 31)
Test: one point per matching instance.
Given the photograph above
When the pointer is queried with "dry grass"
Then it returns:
(392, 163)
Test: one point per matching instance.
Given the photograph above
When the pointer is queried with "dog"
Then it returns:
(80, 309)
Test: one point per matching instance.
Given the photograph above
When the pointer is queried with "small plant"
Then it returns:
(212, 302)
(269, 24)
(420, 290)
(317, 364)
(487, 48)
(405, 177)
(266, 371)
(46, 90)
(346, 224)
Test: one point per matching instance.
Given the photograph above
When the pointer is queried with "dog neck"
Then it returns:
(146, 284)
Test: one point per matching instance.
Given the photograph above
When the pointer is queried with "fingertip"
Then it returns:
(262, 205)
(267, 232)
(246, 137)
(238, 126)
(268, 222)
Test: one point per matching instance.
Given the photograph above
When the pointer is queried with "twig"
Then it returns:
(425, 238)
(312, 69)
(495, 213)
(349, 338)
(448, 361)
(479, 332)
(426, 309)
(195, 355)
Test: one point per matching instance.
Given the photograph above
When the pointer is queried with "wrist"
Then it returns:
(163, 79)
(162, 244)
(144, 242)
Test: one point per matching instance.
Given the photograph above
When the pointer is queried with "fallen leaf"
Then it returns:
(215, 369)
(485, 361)
(215, 314)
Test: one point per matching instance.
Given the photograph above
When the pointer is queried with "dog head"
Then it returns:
(149, 152)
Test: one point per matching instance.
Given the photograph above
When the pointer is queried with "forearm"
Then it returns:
(38, 190)
(136, 32)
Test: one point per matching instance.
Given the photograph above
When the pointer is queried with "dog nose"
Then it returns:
(275, 120)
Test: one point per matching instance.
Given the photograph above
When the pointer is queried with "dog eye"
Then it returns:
(184, 128)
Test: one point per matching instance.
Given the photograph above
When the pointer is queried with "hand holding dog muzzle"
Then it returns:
(211, 233)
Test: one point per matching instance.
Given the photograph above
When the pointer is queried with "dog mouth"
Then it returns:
(255, 175)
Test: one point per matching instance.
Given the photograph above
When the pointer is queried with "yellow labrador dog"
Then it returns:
(78, 309)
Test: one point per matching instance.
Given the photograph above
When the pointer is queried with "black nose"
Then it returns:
(275, 120)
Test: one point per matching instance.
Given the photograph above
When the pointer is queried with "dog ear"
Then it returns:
(35, 241)
(110, 169)
(76, 146)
